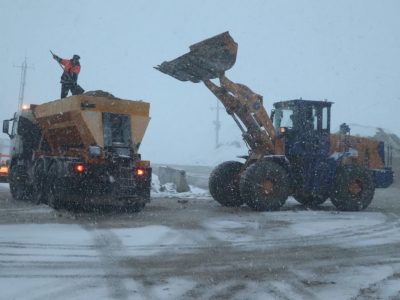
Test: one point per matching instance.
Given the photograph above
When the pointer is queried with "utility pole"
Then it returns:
(217, 125)
(23, 67)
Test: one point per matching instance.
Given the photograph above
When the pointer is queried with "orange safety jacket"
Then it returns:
(69, 68)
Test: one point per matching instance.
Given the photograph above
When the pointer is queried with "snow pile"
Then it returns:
(168, 190)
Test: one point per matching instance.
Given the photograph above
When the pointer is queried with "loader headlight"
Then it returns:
(94, 151)
(140, 172)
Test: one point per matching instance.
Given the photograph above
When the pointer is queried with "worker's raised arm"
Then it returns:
(55, 57)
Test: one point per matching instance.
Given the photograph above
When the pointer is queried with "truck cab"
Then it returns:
(24, 134)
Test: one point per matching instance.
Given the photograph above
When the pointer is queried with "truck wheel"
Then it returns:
(224, 183)
(354, 188)
(19, 188)
(264, 186)
(310, 200)
(55, 189)
(39, 179)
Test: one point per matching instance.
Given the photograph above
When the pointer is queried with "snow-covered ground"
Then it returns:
(59, 261)
(192, 248)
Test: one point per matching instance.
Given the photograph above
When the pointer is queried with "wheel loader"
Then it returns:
(291, 151)
(80, 151)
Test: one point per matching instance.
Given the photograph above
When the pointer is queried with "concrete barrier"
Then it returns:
(175, 176)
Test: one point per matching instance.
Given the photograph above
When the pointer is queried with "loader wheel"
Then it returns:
(39, 180)
(264, 186)
(55, 189)
(354, 188)
(19, 188)
(224, 184)
(310, 200)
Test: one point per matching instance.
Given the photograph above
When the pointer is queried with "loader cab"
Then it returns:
(304, 125)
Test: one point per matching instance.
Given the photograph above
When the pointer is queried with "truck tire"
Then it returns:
(19, 187)
(224, 183)
(55, 189)
(264, 186)
(310, 200)
(39, 182)
(354, 188)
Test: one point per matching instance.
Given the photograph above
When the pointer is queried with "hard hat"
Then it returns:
(76, 56)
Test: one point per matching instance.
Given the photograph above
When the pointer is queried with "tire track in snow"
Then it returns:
(110, 248)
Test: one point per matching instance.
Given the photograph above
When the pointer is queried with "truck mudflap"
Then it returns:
(206, 59)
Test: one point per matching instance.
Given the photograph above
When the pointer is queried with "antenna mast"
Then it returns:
(23, 67)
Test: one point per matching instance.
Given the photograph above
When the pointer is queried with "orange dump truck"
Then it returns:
(81, 150)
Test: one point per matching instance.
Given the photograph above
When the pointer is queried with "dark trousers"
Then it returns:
(65, 88)
(74, 88)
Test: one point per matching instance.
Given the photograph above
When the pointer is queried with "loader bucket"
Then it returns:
(206, 59)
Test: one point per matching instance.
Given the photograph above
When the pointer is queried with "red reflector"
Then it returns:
(139, 172)
(80, 168)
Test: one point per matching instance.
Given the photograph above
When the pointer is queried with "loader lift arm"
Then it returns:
(246, 109)
(210, 59)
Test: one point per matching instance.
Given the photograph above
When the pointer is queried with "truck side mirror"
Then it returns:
(6, 127)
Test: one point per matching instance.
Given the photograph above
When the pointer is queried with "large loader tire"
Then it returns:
(310, 200)
(354, 188)
(19, 187)
(39, 183)
(264, 186)
(55, 188)
(224, 183)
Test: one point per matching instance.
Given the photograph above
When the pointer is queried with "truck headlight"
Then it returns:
(94, 151)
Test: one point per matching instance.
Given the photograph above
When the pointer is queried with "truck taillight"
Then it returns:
(140, 172)
(79, 168)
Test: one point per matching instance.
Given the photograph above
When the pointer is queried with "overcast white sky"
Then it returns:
(344, 51)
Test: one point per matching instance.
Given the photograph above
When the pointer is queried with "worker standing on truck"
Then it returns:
(69, 78)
